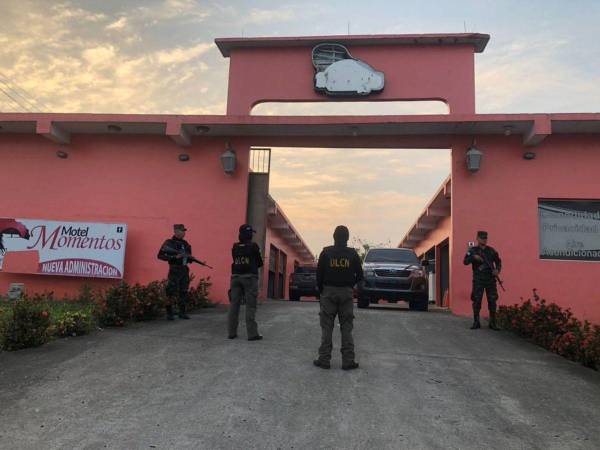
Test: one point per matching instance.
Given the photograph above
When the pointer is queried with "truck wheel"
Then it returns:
(363, 302)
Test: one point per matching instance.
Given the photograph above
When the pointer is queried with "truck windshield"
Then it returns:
(392, 255)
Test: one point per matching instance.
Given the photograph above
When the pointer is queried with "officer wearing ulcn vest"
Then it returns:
(486, 267)
(244, 283)
(174, 251)
(338, 270)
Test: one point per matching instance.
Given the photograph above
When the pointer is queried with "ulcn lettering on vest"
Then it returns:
(339, 263)
(242, 260)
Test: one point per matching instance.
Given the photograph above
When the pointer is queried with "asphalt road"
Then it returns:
(425, 381)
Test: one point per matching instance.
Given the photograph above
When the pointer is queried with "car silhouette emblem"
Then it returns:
(338, 73)
(12, 228)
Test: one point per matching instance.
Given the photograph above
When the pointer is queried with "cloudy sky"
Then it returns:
(159, 57)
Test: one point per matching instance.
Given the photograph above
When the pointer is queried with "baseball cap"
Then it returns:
(246, 228)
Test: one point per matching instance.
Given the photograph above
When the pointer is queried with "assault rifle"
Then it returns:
(171, 251)
(486, 261)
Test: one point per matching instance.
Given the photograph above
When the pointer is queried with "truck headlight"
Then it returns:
(417, 273)
(369, 273)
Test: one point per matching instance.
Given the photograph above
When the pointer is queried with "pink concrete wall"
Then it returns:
(133, 179)
(275, 239)
(502, 198)
(434, 238)
(411, 73)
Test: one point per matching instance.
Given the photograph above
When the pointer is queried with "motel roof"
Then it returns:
(279, 222)
(422, 131)
(477, 40)
(437, 209)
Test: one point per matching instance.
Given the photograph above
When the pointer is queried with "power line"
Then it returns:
(15, 100)
(17, 94)
(8, 105)
(22, 93)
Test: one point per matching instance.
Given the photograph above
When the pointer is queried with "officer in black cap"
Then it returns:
(174, 251)
(338, 270)
(486, 267)
(244, 283)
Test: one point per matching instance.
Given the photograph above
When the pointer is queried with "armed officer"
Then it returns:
(486, 267)
(175, 251)
(338, 270)
(244, 283)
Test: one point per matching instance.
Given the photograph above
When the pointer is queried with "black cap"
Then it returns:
(179, 226)
(246, 228)
(482, 234)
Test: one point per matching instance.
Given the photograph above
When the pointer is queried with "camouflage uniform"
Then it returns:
(484, 279)
(178, 279)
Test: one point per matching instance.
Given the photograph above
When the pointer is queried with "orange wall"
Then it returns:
(502, 198)
(133, 179)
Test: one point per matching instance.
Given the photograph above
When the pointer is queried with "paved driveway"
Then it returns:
(425, 381)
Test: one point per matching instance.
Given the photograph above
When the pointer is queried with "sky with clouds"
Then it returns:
(158, 56)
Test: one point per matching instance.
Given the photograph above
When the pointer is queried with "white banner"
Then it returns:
(77, 249)
(570, 230)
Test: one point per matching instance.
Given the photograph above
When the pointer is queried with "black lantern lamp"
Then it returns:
(474, 156)
(228, 160)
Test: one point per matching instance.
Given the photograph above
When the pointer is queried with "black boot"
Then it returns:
(182, 314)
(492, 321)
(322, 364)
(476, 324)
(350, 365)
(170, 313)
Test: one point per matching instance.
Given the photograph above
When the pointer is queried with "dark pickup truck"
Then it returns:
(394, 274)
(303, 283)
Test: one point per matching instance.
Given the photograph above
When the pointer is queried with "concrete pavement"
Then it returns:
(425, 381)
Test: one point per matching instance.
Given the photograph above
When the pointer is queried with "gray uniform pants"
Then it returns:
(243, 287)
(336, 301)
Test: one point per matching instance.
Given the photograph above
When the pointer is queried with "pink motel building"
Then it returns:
(530, 180)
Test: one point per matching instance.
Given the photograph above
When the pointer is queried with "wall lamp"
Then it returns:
(529, 156)
(62, 154)
(114, 128)
(228, 160)
(474, 156)
(183, 157)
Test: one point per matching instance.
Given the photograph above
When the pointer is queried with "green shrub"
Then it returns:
(114, 306)
(33, 320)
(75, 323)
(27, 324)
(198, 294)
(148, 301)
(590, 348)
(553, 328)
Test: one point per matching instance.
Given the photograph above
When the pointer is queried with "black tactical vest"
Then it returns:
(246, 258)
